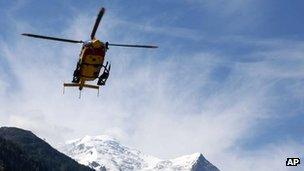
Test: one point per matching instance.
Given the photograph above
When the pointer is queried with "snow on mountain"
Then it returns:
(106, 153)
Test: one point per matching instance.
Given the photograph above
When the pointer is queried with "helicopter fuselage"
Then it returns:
(90, 62)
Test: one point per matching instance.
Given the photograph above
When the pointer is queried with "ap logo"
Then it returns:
(292, 161)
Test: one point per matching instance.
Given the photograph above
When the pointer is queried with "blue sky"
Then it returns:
(229, 73)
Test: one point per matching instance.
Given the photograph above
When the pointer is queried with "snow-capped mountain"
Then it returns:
(106, 153)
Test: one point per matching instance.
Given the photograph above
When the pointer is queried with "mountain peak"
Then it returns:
(90, 139)
(104, 152)
(202, 164)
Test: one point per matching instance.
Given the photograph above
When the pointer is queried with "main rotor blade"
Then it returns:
(101, 12)
(137, 46)
(52, 38)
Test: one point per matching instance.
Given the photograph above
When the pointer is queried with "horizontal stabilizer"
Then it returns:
(79, 85)
(71, 84)
(91, 86)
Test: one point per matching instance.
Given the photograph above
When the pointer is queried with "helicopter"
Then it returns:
(91, 58)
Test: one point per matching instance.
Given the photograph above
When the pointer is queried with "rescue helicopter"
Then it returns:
(91, 58)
